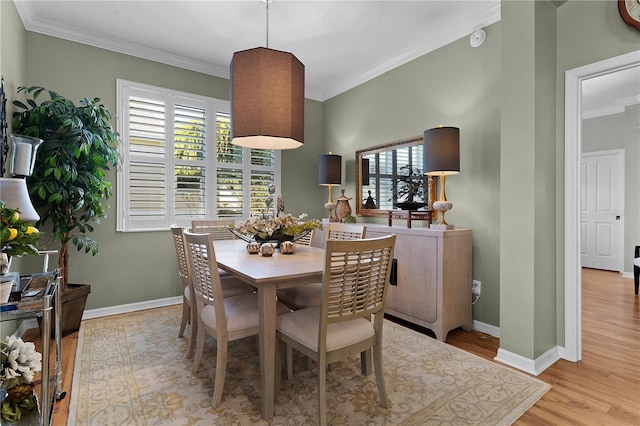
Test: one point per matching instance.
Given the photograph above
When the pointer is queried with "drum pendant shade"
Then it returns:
(267, 99)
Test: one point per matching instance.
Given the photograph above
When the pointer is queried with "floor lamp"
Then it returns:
(329, 174)
(442, 158)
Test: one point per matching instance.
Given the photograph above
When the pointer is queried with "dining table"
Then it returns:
(267, 274)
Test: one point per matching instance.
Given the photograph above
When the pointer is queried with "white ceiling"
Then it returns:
(341, 43)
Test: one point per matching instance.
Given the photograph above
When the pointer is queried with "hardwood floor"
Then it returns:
(602, 389)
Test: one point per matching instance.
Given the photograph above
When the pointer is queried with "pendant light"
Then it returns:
(267, 98)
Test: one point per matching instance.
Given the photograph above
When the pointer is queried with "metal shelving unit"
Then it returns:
(42, 306)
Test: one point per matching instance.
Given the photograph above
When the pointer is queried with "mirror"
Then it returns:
(389, 174)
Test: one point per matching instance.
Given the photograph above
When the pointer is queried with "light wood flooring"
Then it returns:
(602, 389)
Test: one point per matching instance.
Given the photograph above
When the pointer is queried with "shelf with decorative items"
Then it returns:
(20, 363)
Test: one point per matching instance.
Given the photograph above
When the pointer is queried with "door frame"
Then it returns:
(572, 182)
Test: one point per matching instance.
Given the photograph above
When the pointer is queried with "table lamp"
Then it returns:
(21, 159)
(329, 174)
(442, 158)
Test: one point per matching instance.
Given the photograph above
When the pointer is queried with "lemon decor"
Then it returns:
(19, 363)
(18, 237)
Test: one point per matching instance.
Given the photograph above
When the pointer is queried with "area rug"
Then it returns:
(131, 370)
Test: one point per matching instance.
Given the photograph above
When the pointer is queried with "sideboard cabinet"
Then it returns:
(431, 286)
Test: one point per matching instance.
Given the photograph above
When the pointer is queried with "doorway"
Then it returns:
(572, 232)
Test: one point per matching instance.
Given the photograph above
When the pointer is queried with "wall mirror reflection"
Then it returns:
(390, 177)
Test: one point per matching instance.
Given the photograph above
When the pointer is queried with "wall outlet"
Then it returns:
(475, 287)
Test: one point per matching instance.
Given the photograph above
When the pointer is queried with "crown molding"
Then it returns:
(464, 28)
(618, 108)
(31, 23)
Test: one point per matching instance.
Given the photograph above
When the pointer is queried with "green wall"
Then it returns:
(456, 85)
(12, 68)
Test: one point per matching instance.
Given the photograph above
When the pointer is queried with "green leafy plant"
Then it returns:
(410, 185)
(69, 186)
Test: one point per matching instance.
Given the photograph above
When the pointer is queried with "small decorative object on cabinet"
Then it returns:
(343, 209)
(433, 287)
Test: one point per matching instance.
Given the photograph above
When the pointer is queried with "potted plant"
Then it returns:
(410, 189)
(69, 186)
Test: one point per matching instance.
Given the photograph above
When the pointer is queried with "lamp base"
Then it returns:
(330, 207)
(442, 227)
(442, 206)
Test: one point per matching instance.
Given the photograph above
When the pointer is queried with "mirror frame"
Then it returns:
(431, 181)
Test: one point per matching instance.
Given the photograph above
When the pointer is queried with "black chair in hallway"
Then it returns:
(636, 268)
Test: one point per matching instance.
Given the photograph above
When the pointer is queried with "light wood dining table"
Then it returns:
(267, 274)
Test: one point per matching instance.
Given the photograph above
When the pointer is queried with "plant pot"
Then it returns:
(73, 301)
(410, 206)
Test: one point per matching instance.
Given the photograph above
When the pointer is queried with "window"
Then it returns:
(178, 164)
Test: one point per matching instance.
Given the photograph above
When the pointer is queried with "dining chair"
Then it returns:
(223, 318)
(231, 286)
(218, 228)
(307, 239)
(355, 282)
(309, 295)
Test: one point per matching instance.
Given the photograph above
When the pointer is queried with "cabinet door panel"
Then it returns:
(417, 292)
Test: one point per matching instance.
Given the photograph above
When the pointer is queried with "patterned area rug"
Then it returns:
(131, 370)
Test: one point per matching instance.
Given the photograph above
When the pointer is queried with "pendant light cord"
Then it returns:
(267, 13)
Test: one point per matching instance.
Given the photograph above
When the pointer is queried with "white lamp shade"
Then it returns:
(14, 193)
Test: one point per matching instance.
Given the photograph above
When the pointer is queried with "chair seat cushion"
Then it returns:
(301, 297)
(303, 326)
(186, 292)
(241, 310)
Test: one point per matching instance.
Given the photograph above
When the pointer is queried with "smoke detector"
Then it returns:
(477, 38)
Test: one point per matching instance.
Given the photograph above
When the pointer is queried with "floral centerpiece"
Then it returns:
(19, 363)
(282, 227)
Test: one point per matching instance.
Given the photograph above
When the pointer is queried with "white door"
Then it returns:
(602, 199)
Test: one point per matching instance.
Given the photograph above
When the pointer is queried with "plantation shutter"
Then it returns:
(147, 184)
(190, 155)
(178, 163)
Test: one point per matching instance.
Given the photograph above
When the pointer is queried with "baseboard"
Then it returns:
(527, 365)
(111, 310)
(489, 329)
(626, 274)
(131, 307)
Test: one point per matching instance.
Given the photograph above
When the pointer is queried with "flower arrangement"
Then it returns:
(19, 363)
(284, 224)
(18, 237)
